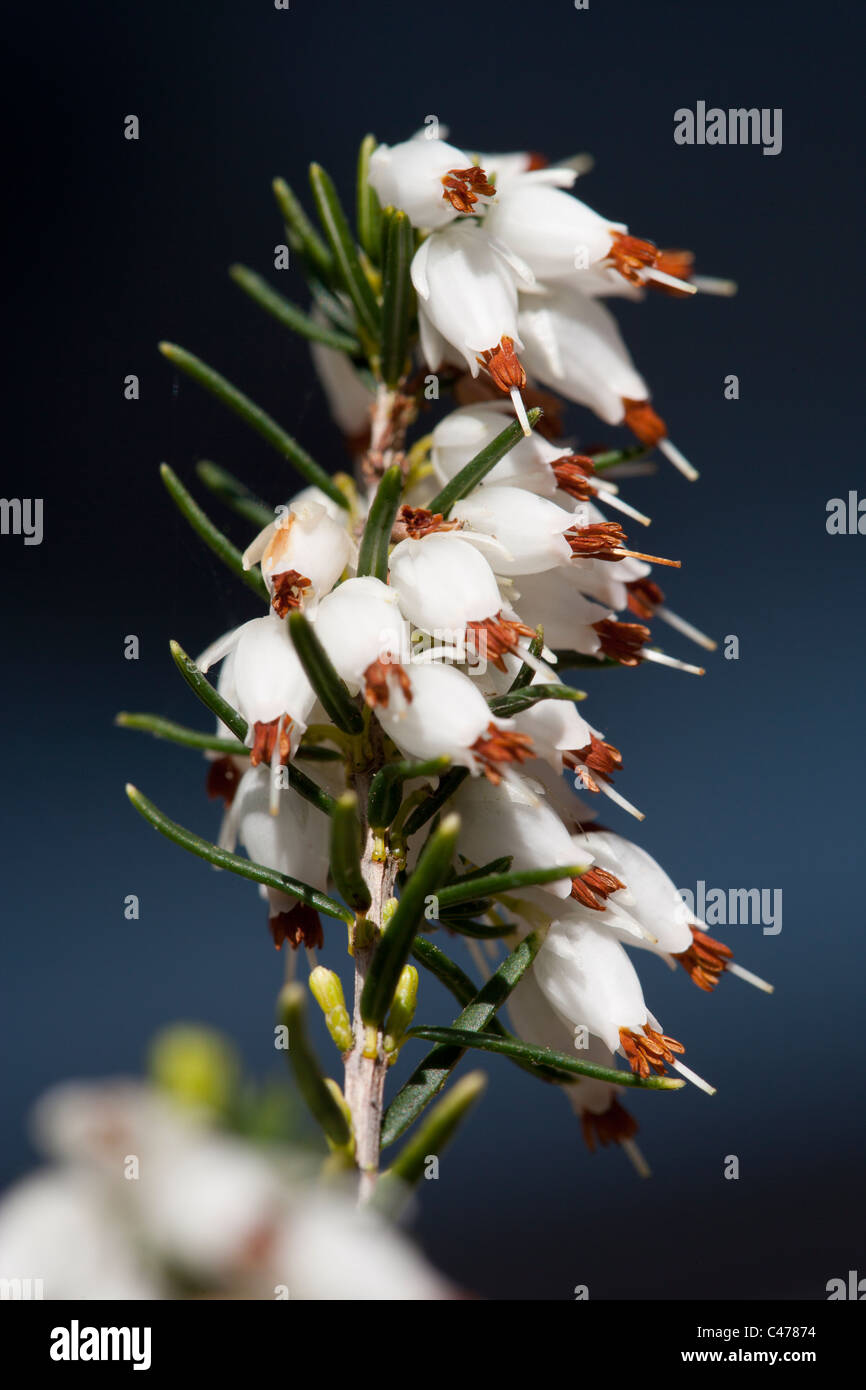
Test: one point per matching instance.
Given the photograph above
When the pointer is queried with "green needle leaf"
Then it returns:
(516, 701)
(346, 853)
(291, 1010)
(335, 698)
(542, 1056)
(178, 733)
(435, 801)
(255, 417)
(210, 534)
(230, 490)
(201, 686)
(614, 456)
(398, 296)
(302, 234)
(395, 945)
(235, 863)
(430, 1075)
(478, 467)
(386, 793)
(345, 253)
(432, 1137)
(289, 314)
(493, 884)
(376, 540)
(525, 674)
(369, 209)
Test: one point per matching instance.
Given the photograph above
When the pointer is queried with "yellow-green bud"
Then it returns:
(197, 1066)
(327, 990)
(402, 1009)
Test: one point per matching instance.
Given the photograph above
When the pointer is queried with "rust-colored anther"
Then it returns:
(594, 887)
(376, 688)
(265, 735)
(644, 597)
(678, 263)
(503, 364)
(222, 779)
(603, 540)
(706, 960)
(463, 187)
(300, 926)
(603, 758)
(632, 257)
(644, 423)
(573, 473)
(414, 523)
(612, 1126)
(289, 589)
(648, 1051)
(501, 746)
(622, 642)
(491, 638)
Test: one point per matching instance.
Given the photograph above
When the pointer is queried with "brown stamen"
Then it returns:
(605, 540)
(222, 779)
(301, 925)
(414, 523)
(644, 597)
(632, 257)
(572, 474)
(503, 364)
(612, 1126)
(594, 887)
(376, 688)
(463, 188)
(643, 422)
(680, 264)
(622, 642)
(491, 638)
(649, 1050)
(289, 589)
(601, 757)
(501, 746)
(265, 736)
(706, 960)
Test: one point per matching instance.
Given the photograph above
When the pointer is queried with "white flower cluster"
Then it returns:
(512, 275)
(512, 263)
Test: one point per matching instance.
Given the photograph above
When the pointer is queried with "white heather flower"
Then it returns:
(447, 588)
(271, 686)
(430, 180)
(514, 819)
(303, 552)
(468, 302)
(360, 625)
(437, 711)
(535, 464)
(553, 600)
(603, 1120)
(561, 238)
(572, 344)
(61, 1226)
(587, 976)
(530, 529)
(290, 836)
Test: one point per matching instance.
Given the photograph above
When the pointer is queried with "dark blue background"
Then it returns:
(751, 777)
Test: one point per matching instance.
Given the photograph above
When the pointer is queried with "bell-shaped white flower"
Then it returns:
(572, 344)
(588, 977)
(554, 601)
(562, 238)
(446, 587)
(271, 687)
(468, 302)
(289, 834)
(438, 711)
(350, 399)
(514, 818)
(530, 529)
(302, 552)
(362, 629)
(603, 1120)
(430, 180)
